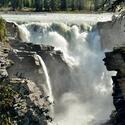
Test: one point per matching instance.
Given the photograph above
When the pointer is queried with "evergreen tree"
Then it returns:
(80, 4)
(63, 5)
(95, 5)
(14, 4)
(73, 4)
(32, 3)
(20, 4)
(38, 5)
(53, 5)
(46, 5)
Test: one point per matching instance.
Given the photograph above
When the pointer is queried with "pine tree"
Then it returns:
(53, 5)
(20, 4)
(80, 4)
(46, 5)
(14, 4)
(73, 4)
(37, 5)
(63, 5)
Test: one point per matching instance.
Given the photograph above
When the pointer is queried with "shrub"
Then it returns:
(7, 109)
(3, 32)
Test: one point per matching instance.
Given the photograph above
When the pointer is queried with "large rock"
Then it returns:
(32, 100)
(12, 30)
(112, 32)
(30, 105)
(115, 61)
(26, 63)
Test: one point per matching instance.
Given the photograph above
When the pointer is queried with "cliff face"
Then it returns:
(115, 61)
(21, 100)
(27, 77)
(26, 63)
(112, 32)
(20, 68)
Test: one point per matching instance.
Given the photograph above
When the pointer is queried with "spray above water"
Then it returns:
(88, 100)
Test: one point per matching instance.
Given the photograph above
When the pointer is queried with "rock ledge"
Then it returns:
(115, 61)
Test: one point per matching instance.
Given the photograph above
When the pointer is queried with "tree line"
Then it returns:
(56, 5)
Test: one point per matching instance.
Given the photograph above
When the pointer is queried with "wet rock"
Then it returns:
(39, 48)
(24, 56)
(12, 30)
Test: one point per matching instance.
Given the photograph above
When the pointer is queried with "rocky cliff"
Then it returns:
(58, 69)
(112, 32)
(21, 100)
(115, 61)
(21, 71)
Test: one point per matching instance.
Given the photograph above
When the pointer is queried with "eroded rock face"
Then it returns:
(29, 104)
(115, 61)
(4, 62)
(112, 32)
(27, 65)
(12, 30)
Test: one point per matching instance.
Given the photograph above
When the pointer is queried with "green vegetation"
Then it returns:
(59, 5)
(7, 102)
(3, 32)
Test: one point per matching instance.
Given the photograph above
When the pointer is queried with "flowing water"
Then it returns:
(47, 78)
(88, 100)
(55, 17)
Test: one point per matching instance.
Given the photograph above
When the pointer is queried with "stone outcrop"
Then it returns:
(20, 68)
(4, 63)
(115, 61)
(112, 32)
(27, 65)
(21, 100)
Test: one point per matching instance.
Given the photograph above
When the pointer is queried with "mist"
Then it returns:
(88, 100)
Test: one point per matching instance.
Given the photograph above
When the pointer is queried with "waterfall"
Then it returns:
(24, 34)
(88, 99)
(47, 78)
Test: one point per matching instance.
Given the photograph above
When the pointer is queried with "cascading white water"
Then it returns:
(47, 78)
(88, 100)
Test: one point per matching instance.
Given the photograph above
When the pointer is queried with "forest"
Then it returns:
(59, 5)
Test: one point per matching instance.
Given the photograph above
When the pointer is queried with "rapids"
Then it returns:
(56, 17)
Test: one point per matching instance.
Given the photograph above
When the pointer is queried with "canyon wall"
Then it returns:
(112, 32)
(22, 101)
(115, 61)
(27, 66)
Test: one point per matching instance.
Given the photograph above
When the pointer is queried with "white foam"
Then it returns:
(88, 100)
